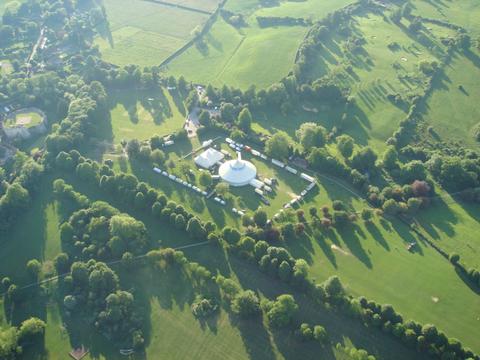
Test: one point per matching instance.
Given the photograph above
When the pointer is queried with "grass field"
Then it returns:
(449, 224)
(26, 119)
(309, 9)
(37, 238)
(450, 105)
(8, 3)
(141, 115)
(240, 58)
(205, 5)
(373, 261)
(145, 33)
(387, 63)
(461, 12)
(166, 299)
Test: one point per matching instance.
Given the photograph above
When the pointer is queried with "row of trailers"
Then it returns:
(186, 184)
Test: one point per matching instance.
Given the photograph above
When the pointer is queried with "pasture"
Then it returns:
(386, 64)
(240, 57)
(449, 224)
(461, 12)
(145, 33)
(140, 115)
(454, 101)
(309, 9)
(372, 260)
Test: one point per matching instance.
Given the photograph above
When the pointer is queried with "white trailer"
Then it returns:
(278, 163)
(259, 192)
(291, 170)
(307, 177)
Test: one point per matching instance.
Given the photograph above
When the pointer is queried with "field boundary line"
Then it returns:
(181, 7)
(231, 57)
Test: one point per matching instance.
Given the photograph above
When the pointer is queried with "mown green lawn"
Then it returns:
(452, 109)
(36, 236)
(140, 115)
(372, 260)
(450, 224)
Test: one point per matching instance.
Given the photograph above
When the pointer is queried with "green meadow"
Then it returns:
(455, 100)
(240, 57)
(373, 261)
(145, 33)
(140, 115)
(461, 12)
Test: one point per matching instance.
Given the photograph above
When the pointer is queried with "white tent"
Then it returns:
(238, 172)
(208, 158)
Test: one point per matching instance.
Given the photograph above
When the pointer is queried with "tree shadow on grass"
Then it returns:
(377, 235)
(178, 101)
(438, 218)
(350, 235)
(157, 105)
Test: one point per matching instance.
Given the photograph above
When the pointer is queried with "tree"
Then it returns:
(281, 311)
(320, 334)
(244, 120)
(367, 215)
(260, 218)
(195, 229)
(345, 144)
(334, 288)
(227, 111)
(278, 145)
(246, 304)
(204, 118)
(205, 179)
(454, 258)
(305, 332)
(364, 159)
(311, 135)
(222, 189)
(390, 158)
(231, 235)
(31, 330)
(158, 157)
(285, 271)
(33, 268)
(288, 230)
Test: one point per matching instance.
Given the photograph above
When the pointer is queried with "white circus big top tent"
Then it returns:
(237, 172)
(208, 158)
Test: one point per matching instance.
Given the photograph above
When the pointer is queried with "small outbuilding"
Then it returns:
(209, 158)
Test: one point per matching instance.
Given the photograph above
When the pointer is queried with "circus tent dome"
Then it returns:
(237, 172)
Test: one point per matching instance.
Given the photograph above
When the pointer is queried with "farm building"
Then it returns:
(208, 158)
(238, 172)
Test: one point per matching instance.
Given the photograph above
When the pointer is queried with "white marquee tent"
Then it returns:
(208, 158)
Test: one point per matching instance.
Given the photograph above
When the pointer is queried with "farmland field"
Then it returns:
(240, 57)
(145, 33)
